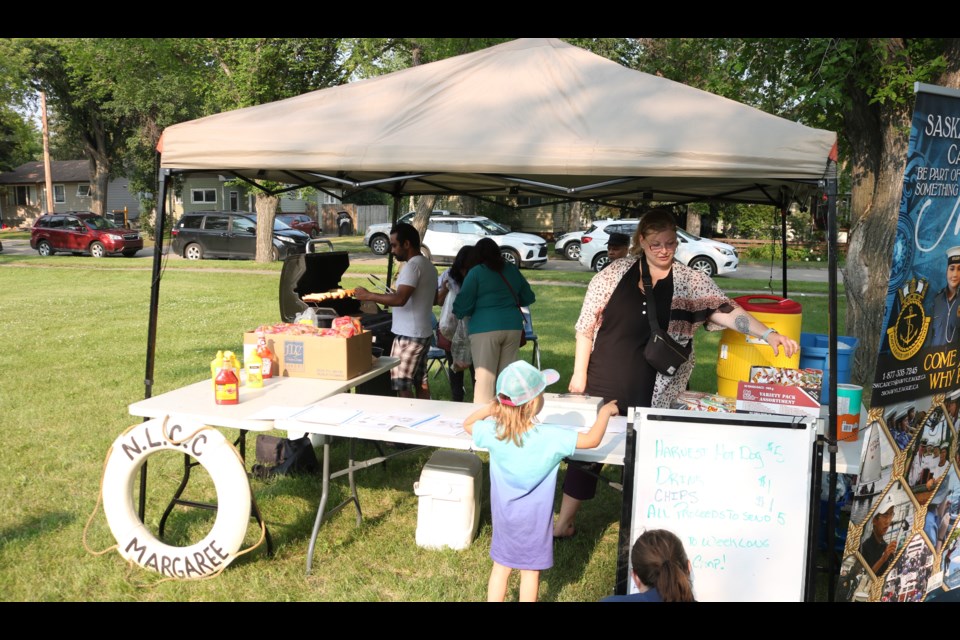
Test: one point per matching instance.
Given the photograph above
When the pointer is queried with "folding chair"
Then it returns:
(437, 357)
(531, 336)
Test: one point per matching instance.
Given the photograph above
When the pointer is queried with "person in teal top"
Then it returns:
(491, 296)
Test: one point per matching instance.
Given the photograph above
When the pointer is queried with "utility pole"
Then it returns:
(48, 179)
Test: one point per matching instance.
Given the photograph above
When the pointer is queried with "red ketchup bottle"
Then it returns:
(267, 356)
(227, 385)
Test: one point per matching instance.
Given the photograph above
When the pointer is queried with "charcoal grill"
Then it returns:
(318, 273)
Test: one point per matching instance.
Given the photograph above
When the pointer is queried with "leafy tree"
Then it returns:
(241, 72)
(19, 140)
(108, 99)
(78, 96)
(863, 89)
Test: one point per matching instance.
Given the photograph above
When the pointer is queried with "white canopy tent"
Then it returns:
(529, 117)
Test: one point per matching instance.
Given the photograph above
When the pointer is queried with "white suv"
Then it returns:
(447, 232)
(702, 254)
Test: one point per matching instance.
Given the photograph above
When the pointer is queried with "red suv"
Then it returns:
(301, 222)
(82, 232)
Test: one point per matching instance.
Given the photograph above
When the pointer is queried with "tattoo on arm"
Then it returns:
(742, 323)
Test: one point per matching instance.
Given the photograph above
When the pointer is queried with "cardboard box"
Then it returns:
(326, 357)
(701, 401)
(808, 379)
(777, 399)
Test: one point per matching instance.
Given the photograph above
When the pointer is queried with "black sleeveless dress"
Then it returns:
(617, 370)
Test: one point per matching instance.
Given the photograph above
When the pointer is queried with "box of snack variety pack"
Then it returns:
(340, 352)
(700, 401)
(781, 391)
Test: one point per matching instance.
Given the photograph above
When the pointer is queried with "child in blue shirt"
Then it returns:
(524, 458)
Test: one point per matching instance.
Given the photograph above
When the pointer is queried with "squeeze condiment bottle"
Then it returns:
(215, 365)
(227, 384)
(266, 357)
(254, 370)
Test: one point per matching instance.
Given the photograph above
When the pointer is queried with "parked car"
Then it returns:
(447, 232)
(82, 232)
(708, 256)
(568, 245)
(377, 236)
(231, 234)
(300, 222)
(593, 241)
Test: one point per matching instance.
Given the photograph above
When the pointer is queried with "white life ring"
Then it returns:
(135, 542)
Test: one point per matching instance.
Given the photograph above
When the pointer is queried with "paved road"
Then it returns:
(555, 263)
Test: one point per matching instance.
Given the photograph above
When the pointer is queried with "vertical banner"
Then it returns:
(902, 542)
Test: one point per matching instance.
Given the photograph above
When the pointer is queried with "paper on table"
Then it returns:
(326, 415)
(275, 412)
(443, 426)
(406, 419)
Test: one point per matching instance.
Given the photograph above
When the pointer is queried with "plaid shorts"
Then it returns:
(412, 370)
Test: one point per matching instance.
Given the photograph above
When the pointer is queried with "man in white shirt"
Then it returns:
(412, 314)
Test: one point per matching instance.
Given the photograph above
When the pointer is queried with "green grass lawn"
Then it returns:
(72, 352)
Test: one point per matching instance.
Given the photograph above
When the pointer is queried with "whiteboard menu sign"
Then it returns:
(736, 489)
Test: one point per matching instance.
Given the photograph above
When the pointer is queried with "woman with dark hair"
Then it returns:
(613, 330)
(450, 282)
(492, 294)
(661, 570)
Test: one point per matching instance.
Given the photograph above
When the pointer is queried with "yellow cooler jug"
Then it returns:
(739, 352)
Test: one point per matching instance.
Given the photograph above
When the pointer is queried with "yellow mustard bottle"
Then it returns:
(215, 365)
(254, 370)
(230, 360)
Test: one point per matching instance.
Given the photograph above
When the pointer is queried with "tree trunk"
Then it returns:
(422, 218)
(693, 221)
(878, 145)
(576, 217)
(468, 205)
(99, 182)
(869, 254)
(266, 206)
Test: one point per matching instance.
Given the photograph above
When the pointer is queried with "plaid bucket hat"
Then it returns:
(521, 382)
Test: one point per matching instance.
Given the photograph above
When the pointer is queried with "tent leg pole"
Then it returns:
(163, 178)
(831, 429)
(396, 214)
(783, 252)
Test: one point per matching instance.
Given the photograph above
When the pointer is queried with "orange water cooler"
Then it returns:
(739, 352)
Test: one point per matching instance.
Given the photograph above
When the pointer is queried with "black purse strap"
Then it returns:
(648, 294)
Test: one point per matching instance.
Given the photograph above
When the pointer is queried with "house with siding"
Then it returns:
(23, 192)
(205, 192)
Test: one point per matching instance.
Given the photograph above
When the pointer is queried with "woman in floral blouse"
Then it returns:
(613, 330)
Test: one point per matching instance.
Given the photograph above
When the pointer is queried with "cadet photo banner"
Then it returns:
(902, 539)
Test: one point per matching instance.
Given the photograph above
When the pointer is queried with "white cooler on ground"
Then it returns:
(449, 488)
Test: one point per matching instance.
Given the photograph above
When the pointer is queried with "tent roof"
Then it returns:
(531, 116)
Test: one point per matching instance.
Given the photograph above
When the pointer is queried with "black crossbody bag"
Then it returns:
(664, 354)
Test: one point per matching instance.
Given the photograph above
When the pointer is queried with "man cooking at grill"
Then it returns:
(412, 304)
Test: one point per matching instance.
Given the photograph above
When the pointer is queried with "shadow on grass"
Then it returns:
(35, 527)
(395, 475)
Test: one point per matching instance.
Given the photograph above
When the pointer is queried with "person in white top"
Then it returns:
(412, 304)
